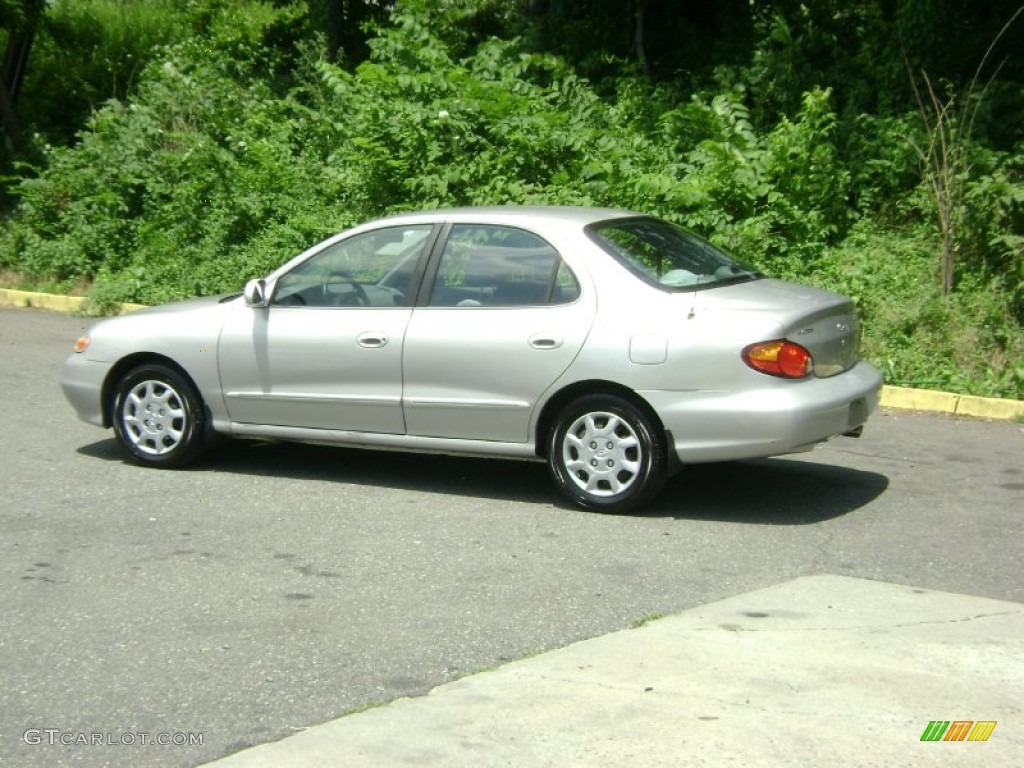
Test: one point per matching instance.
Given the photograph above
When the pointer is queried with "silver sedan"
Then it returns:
(614, 346)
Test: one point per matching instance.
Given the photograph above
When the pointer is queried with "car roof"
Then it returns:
(513, 214)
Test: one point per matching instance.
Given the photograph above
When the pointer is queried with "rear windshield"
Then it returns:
(667, 256)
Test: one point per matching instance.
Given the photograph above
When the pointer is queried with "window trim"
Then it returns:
(593, 232)
(427, 286)
(415, 280)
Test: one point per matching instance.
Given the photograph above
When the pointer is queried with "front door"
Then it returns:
(327, 352)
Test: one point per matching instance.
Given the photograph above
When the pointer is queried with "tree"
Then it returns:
(345, 23)
(19, 18)
(944, 158)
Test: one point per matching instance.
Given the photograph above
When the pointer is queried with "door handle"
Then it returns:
(543, 341)
(372, 339)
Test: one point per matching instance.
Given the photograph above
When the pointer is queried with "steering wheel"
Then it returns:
(357, 297)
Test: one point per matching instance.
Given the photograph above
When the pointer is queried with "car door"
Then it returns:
(502, 320)
(327, 351)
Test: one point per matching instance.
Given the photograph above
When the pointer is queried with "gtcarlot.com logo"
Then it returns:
(958, 730)
(55, 737)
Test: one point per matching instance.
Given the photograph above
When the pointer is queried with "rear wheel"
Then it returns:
(158, 417)
(606, 454)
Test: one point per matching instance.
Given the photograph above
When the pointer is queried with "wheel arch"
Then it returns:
(125, 364)
(555, 404)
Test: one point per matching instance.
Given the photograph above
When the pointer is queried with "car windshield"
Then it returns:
(667, 256)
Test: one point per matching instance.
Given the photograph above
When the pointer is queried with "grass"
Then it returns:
(19, 282)
(646, 619)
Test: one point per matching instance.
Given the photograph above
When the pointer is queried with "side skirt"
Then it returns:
(387, 442)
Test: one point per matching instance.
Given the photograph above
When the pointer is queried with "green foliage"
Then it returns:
(237, 146)
(87, 51)
(13, 13)
(968, 341)
(993, 226)
(200, 179)
(777, 198)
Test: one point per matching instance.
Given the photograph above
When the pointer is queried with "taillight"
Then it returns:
(779, 358)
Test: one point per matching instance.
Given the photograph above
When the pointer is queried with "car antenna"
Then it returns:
(700, 276)
(693, 298)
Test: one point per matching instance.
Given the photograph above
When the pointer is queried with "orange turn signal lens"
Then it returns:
(779, 358)
(82, 344)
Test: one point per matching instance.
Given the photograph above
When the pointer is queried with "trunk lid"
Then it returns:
(824, 323)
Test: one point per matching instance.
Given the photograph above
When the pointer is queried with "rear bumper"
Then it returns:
(82, 381)
(782, 417)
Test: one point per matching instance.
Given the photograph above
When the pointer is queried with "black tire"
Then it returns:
(158, 417)
(606, 454)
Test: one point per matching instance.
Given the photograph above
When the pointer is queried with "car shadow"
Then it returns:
(775, 491)
(102, 449)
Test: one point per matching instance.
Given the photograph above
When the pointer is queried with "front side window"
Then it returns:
(667, 256)
(372, 269)
(494, 266)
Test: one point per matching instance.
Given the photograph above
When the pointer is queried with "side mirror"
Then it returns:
(256, 294)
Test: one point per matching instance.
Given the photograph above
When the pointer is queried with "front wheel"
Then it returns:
(158, 417)
(606, 454)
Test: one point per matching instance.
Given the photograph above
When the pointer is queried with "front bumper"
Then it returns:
(82, 381)
(781, 417)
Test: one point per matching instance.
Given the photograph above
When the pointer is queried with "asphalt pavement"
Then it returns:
(275, 588)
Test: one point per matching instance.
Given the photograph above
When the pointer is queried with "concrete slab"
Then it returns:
(823, 669)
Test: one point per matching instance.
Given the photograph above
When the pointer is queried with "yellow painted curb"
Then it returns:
(919, 399)
(953, 404)
(892, 397)
(12, 298)
(989, 408)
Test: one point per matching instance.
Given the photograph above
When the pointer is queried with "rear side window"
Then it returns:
(494, 266)
(668, 256)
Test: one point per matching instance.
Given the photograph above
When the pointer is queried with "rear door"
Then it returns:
(503, 318)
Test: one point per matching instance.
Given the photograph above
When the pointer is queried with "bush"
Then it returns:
(87, 51)
(967, 341)
(219, 168)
